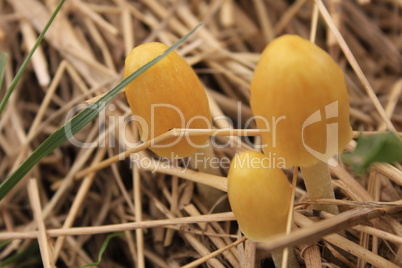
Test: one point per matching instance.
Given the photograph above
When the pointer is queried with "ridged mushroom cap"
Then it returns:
(168, 95)
(301, 93)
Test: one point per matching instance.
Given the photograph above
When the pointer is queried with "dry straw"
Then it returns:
(78, 195)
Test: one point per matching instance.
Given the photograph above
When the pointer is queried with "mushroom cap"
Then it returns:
(168, 95)
(300, 92)
(259, 196)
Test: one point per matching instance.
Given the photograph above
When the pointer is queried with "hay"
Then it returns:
(75, 196)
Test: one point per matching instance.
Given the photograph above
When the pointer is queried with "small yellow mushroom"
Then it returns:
(258, 195)
(168, 95)
(297, 85)
(301, 89)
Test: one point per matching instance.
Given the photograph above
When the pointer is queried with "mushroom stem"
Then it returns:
(204, 161)
(277, 258)
(249, 254)
(318, 184)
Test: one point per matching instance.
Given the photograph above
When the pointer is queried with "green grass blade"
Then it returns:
(4, 243)
(3, 62)
(28, 58)
(102, 249)
(76, 123)
(21, 256)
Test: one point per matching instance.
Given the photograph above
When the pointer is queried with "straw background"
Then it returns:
(60, 216)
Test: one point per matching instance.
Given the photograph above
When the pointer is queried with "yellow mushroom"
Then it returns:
(258, 195)
(168, 95)
(301, 92)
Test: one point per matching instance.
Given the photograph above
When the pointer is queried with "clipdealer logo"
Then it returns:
(330, 111)
(118, 138)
